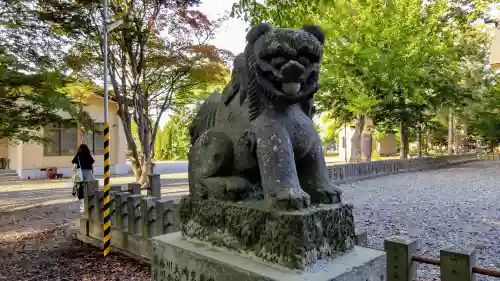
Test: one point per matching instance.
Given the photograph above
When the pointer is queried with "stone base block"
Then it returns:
(119, 238)
(96, 229)
(138, 245)
(293, 239)
(176, 258)
(84, 226)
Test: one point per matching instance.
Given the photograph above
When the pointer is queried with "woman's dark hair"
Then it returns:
(83, 148)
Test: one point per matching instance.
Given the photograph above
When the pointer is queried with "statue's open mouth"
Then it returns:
(291, 88)
(285, 88)
(276, 82)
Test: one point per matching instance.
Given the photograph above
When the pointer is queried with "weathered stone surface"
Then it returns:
(175, 258)
(293, 239)
(259, 133)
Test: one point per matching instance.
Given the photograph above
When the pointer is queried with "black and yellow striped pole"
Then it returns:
(107, 187)
(107, 221)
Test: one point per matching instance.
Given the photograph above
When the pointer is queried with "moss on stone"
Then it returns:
(294, 239)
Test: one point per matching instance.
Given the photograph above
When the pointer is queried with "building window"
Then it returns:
(95, 140)
(343, 142)
(63, 140)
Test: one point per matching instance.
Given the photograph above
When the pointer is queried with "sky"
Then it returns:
(231, 36)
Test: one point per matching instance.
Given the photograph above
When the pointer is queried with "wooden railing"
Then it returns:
(135, 218)
(455, 264)
(357, 171)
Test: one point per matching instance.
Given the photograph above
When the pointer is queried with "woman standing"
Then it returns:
(83, 160)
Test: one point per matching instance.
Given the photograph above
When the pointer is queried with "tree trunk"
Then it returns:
(147, 169)
(79, 131)
(403, 140)
(356, 140)
(457, 142)
(426, 144)
(465, 138)
(450, 132)
(367, 145)
(419, 143)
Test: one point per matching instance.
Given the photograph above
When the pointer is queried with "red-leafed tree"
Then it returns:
(157, 55)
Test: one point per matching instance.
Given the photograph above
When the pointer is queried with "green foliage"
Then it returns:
(158, 58)
(172, 141)
(28, 102)
(485, 118)
(34, 91)
(400, 62)
(331, 128)
(376, 155)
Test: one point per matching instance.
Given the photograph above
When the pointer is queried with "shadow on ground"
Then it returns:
(39, 244)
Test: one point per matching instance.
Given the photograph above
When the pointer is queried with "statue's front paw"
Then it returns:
(291, 198)
(327, 195)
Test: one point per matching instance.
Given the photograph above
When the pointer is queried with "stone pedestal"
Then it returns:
(176, 258)
(227, 241)
(293, 239)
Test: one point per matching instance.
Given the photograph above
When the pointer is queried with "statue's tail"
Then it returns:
(205, 119)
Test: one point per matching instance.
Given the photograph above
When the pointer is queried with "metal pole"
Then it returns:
(107, 187)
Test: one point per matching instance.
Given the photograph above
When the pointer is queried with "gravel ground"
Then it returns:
(38, 225)
(459, 206)
(456, 206)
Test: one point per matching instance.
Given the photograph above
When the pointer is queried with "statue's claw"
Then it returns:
(291, 198)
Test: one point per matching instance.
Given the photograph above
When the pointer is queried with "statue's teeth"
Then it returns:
(291, 88)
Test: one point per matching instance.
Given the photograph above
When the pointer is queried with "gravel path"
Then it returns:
(456, 206)
(459, 206)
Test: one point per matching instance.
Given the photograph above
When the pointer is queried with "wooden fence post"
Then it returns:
(120, 205)
(399, 258)
(456, 264)
(134, 214)
(154, 186)
(148, 216)
(164, 216)
(96, 217)
(89, 189)
(134, 188)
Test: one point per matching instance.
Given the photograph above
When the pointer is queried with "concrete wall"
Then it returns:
(341, 173)
(345, 135)
(495, 48)
(387, 145)
(28, 158)
(4, 148)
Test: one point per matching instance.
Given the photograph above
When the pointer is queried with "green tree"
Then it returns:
(158, 50)
(484, 115)
(33, 89)
(173, 140)
(28, 102)
(391, 60)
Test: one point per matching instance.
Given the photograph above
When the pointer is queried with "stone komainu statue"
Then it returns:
(258, 138)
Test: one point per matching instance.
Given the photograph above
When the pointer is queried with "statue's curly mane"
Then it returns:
(252, 88)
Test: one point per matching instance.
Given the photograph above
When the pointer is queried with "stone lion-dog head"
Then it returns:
(283, 64)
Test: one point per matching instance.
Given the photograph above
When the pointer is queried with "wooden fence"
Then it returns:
(492, 156)
(340, 173)
(135, 218)
(455, 264)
